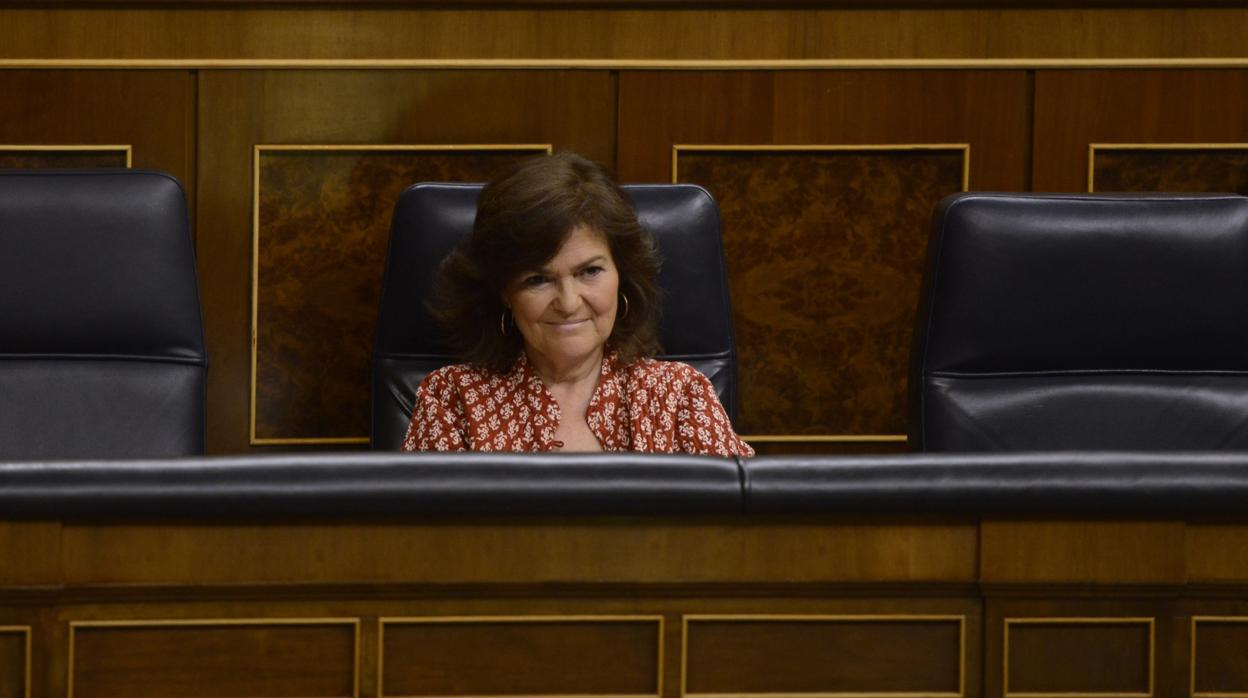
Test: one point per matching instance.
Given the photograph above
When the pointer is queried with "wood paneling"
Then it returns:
(239, 110)
(518, 656)
(1218, 655)
(1159, 169)
(824, 249)
(851, 655)
(217, 659)
(151, 111)
(825, 252)
(61, 157)
(689, 33)
(324, 224)
(600, 551)
(1082, 551)
(1082, 657)
(13, 661)
(1074, 109)
(31, 551)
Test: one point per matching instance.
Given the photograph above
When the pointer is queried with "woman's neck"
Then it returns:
(570, 374)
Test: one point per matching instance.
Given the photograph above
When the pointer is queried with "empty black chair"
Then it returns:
(430, 219)
(101, 341)
(1083, 322)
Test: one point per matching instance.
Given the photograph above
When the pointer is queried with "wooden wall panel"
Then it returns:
(824, 655)
(1074, 109)
(153, 112)
(14, 661)
(1170, 169)
(1079, 656)
(1218, 665)
(239, 110)
(65, 157)
(323, 220)
(353, 33)
(544, 656)
(222, 658)
(832, 242)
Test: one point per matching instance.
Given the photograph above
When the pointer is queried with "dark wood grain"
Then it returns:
(1077, 108)
(1171, 170)
(64, 159)
(1078, 658)
(221, 661)
(1219, 665)
(825, 253)
(827, 656)
(521, 658)
(12, 664)
(241, 109)
(324, 226)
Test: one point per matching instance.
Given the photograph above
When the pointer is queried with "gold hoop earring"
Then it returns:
(625, 313)
(502, 322)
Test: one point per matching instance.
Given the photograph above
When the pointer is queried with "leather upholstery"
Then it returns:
(101, 341)
(372, 484)
(1090, 322)
(430, 219)
(351, 486)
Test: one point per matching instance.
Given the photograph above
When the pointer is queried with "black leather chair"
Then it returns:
(430, 219)
(1083, 322)
(101, 341)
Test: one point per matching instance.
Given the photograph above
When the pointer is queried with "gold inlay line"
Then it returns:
(824, 618)
(1094, 147)
(1191, 673)
(255, 253)
(1091, 620)
(449, 620)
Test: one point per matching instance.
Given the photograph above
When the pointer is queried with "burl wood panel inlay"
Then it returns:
(1078, 658)
(1167, 170)
(824, 277)
(62, 159)
(920, 656)
(1218, 664)
(12, 663)
(324, 222)
(506, 657)
(222, 661)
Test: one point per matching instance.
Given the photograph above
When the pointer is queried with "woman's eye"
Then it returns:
(534, 280)
(592, 271)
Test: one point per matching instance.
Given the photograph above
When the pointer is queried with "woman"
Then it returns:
(553, 304)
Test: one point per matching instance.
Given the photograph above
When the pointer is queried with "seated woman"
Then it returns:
(553, 304)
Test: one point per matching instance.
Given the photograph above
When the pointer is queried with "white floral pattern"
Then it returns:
(646, 405)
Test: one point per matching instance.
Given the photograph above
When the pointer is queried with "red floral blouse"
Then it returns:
(646, 405)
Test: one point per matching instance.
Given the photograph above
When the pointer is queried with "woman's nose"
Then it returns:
(568, 298)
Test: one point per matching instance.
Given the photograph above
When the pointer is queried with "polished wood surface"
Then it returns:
(13, 655)
(203, 35)
(1079, 656)
(1075, 109)
(1218, 654)
(1083, 552)
(1160, 169)
(608, 655)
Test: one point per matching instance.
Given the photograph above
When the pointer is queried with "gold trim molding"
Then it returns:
(618, 63)
(1191, 673)
(216, 622)
(60, 148)
(25, 631)
(658, 620)
(679, 148)
(1152, 654)
(255, 256)
(1093, 147)
(824, 618)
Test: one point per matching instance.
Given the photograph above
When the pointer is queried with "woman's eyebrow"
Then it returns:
(592, 260)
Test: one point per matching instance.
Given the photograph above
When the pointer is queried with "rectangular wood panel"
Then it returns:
(222, 659)
(545, 656)
(1079, 656)
(1220, 168)
(14, 662)
(1219, 648)
(322, 226)
(1077, 108)
(821, 655)
(63, 156)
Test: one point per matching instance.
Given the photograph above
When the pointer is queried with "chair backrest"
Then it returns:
(101, 341)
(430, 219)
(1083, 322)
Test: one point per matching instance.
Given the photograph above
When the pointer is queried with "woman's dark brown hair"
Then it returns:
(523, 219)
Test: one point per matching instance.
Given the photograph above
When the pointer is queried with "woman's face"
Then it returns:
(566, 309)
